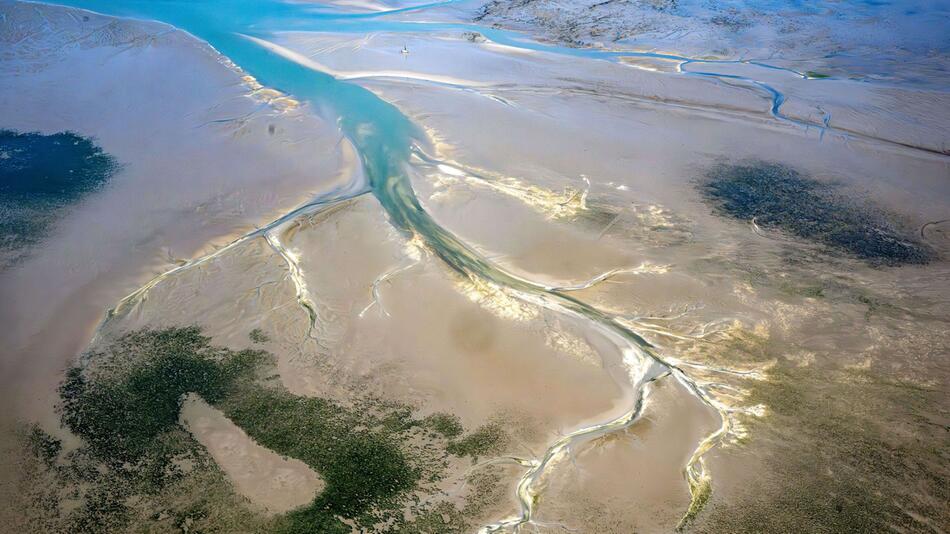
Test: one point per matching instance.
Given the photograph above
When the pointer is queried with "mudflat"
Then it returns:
(474, 267)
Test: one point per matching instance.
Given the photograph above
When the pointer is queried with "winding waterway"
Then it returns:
(385, 140)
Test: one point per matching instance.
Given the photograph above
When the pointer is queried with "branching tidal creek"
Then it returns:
(386, 140)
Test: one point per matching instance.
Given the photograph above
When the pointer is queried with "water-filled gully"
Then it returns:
(385, 140)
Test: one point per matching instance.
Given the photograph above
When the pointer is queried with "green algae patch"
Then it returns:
(778, 197)
(79, 493)
(702, 493)
(43, 446)
(807, 291)
(446, 424)
(844, 451)
(140, 470)
(363, 468)
(489, 438)
(812, 75)
(258, 336)
(120, 416)
(40, 175)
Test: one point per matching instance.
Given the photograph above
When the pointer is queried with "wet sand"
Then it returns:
(579, 175)
(719, 295)
(276, 484)
(204, 153)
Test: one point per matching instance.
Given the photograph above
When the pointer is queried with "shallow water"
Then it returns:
(394, 151)
(383, 138)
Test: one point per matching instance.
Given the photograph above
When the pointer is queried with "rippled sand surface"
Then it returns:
(507, 302)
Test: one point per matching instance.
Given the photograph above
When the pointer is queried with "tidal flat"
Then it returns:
(544, 266)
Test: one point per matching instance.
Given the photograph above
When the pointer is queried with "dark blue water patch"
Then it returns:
(781, 198)
(40, 176)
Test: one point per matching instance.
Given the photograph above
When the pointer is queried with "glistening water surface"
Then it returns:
(384, 139)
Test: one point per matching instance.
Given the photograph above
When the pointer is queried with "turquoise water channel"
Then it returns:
(384, 139)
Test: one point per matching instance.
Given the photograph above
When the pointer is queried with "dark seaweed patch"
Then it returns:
(120, 418)
(60, 166)
(779, 197)
(125, 405)
(258, 336)
(486, 439)
(445, 423)
(43, 446)
(40, 175)
(363, 468)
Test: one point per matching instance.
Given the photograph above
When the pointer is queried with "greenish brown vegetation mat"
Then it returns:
(138, 470)
(778, 197)
(845, 451)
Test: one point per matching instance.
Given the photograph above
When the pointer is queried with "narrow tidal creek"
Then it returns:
(386, 140)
